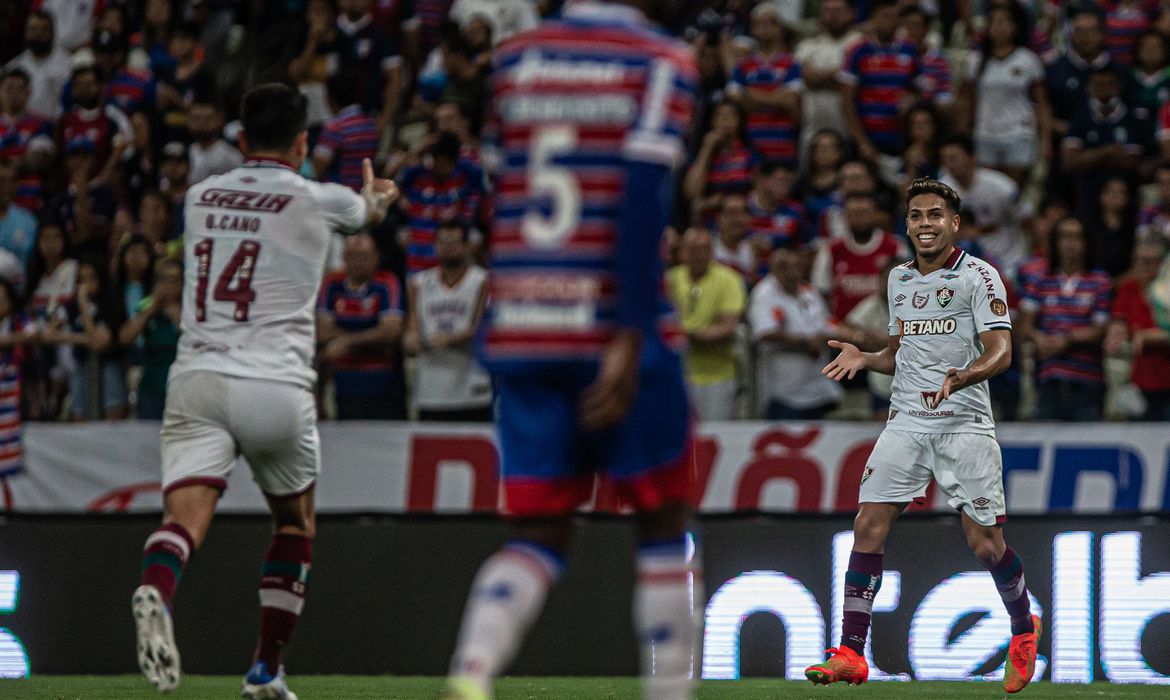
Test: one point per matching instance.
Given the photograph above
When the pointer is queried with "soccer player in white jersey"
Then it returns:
(949, 333)
(255, 247)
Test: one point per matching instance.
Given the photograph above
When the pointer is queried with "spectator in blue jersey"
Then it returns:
(767, 86)
(778, 220)
(1104, 139)
(85, 208)
(25, 137)
(347, 139)
(934, 80)
(724, 162)
(188, 80)
(818, 183)
(210, 153)
(359, 325)
(18, 226)
(127, 88)
(1064, 314)
(446, 187)
(877, 86)
(363, 48)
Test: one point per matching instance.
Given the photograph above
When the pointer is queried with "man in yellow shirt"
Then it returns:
(710, 299)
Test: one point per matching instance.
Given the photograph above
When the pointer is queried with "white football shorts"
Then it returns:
(211, 418)
(967, 467)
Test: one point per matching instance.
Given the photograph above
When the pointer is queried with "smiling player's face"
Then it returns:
(931, 225)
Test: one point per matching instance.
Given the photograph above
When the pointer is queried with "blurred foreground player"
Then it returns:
(949, 332)
(243, 381)
(591, 112)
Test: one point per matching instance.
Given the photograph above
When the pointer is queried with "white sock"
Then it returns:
(664, 619)
(506, 598)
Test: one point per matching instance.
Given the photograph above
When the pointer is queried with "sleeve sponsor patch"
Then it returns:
(998, 307)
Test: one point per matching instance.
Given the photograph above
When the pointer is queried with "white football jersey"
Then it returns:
(254, 252)
(449, 379)
(939, 317)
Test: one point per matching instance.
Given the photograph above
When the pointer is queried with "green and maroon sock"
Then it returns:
(283, 582)
(163, 558)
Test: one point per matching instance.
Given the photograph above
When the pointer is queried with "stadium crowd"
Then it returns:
(1050, 119)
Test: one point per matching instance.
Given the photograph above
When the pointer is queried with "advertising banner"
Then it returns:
(743, 466)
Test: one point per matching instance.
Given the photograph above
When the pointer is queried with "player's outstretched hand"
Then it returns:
(379, 193)
(955, 380)
(847, 364)
(607, 400)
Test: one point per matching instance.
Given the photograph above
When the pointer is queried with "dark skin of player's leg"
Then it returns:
(872, 526)
(985, 541)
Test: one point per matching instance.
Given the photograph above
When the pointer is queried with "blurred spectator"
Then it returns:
(505, 17)
(1052, 211)
(724, 162)
(398, 19)
(1132, 320)
(18, 227)
(447, 188)
(133, 277)
(1163, 131)
(52, 282)
(732, 246)
(446, 306)
(431, 15)
(993, 197)
(778, 220)
(174, 180)
(868, 327)
(97, 381)
(1111, 230)
(370, 54)
(140, 172)
(158, 21)
(155, 326)
(210, 154)
(767, 85)
(1064, 313)
(790, 326)
(92, 120)
(1154, 219)
(1125, 20)
(74, 21)
(1104, 139)
(846, 269)
(189, 80)
(359, 324)
(922, 138)
(877, 83)
(347, 138)
(451, 118)
(466, 72)
(710, 300)
(17, 336)
(1067, 78)
(310, 62)
(821, 58)
(25, 138)
(934, 81)
(1151, 72)
(856, 177)
(47, 66)
(818, 184)
(710, 45)
(128, 89)
(1004, 101)
(86, 207)
(155, 223)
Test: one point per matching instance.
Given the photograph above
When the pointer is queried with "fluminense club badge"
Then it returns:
(944, 295)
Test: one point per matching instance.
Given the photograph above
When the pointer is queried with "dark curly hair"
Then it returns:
(928, 185)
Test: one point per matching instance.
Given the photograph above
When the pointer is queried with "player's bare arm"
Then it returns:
(996, 357)
(852, 360)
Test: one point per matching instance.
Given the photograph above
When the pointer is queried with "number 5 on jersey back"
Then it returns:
(239, 267)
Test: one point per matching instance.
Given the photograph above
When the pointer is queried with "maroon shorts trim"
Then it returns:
(213, 482)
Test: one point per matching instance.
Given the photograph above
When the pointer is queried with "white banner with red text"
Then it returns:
(745, 466)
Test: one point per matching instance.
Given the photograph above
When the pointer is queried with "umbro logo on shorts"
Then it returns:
(981, 503)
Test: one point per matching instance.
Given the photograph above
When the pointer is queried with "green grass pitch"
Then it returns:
(408, 688)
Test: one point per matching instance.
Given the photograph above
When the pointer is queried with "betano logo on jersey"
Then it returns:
(926, 326)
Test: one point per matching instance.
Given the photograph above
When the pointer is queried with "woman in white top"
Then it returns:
(1003, 98)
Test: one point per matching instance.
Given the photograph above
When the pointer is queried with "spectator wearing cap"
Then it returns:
(505, 17)
(877, 85)
(93, 119)
(85, 209)
(25, 138)
(790, 324)
(18, 226)
(1105, 139)
(47, 66)
(821, 58)
(934, 80)
(444, 188)
(210, 154)
(347, 139)
(187, 81)
(127, 88)
(993, 198)
(364, 49)
(175, 172)
(1004, 100)
(767, 86)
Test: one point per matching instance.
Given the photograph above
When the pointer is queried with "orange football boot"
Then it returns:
(844, 665)
(1021, 659)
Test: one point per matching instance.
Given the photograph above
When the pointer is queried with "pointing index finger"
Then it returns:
(367, 171)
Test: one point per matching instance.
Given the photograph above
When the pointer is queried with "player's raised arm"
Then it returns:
(379, 194)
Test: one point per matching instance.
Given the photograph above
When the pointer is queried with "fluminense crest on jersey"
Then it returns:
(944, 296)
